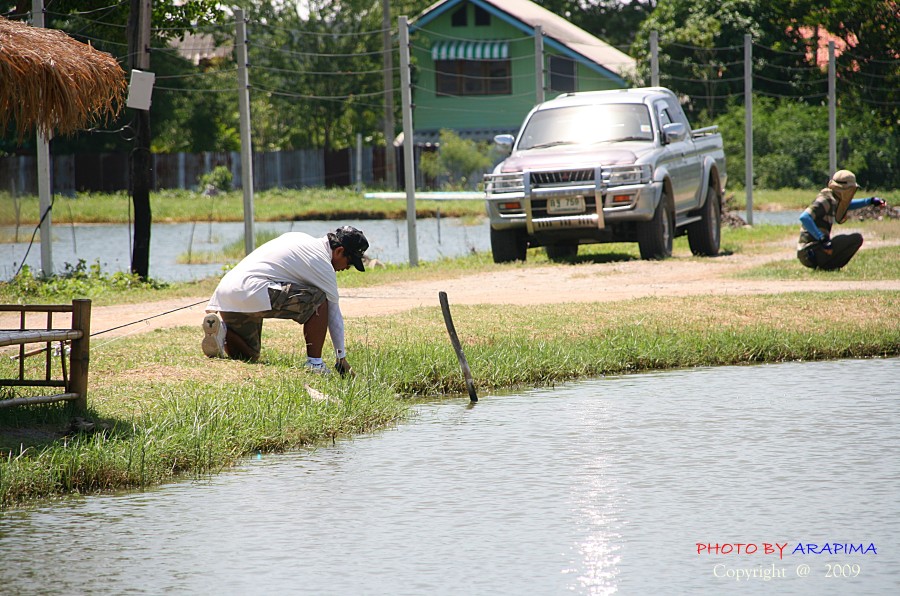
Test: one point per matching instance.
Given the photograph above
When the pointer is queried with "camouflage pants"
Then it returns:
(297, 302)
(843, 248)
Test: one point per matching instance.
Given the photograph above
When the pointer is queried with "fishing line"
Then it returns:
(39, 351)
(168, 312)
(33, 234)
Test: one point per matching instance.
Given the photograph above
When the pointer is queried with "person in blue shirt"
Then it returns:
(816, 248)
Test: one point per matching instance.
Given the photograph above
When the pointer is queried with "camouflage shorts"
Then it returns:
(297, 302)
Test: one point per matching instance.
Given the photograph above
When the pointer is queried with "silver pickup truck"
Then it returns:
(607, 166)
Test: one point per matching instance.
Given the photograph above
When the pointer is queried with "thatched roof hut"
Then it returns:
(51, 82)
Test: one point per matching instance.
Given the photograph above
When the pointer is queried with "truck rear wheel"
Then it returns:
(508, 245)
(561, 252)
(655, 236)
(705, 235)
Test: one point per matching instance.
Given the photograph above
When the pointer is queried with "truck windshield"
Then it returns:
(587, 124)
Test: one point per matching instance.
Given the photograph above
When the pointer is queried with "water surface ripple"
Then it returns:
(596, 487)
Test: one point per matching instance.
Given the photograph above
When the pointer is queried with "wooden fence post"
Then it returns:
(80, 354)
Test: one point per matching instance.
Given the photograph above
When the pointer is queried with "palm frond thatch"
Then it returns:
(54, 83)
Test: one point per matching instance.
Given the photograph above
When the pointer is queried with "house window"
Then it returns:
(458, 18)
(562, 74)
(482, 17)
(473, 77)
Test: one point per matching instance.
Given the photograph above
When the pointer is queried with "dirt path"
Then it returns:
(592, 282)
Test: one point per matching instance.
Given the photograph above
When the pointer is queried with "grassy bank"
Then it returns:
(162, 410)
(117, 288)
(159, 410)
(308, 204)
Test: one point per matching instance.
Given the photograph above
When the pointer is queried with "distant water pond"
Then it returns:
(616, 485)
(111, 244)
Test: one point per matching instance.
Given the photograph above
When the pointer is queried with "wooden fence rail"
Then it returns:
(74, 379)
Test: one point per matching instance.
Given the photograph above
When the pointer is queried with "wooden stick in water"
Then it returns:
(463, 363)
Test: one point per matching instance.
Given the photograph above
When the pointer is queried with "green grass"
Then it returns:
(271, 205)
(310, 204)
(166, 411)
(759, 239)
(868, 265)
(104, 288)
(550, 344)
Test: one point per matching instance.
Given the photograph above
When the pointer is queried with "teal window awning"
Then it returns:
(470, 50)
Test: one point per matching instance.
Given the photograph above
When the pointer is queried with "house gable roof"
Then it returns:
(559, 34)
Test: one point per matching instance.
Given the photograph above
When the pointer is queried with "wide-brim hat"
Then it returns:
(843, 185)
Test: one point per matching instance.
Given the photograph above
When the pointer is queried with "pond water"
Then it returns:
(597, 487)
(111, 244)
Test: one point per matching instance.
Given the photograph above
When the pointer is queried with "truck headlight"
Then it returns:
(506, 183)
(621, 175)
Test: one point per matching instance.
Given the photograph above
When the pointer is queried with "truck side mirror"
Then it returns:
(674, 132)
(505, 143)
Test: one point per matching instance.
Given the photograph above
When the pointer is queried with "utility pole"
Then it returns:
(45, 195)
(832, 111)
(748, 125)
(141, 159)
(409, 159)
(390, 161)
(539, 65)
(244, 121)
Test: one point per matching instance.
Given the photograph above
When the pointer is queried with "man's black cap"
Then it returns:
(354, 243)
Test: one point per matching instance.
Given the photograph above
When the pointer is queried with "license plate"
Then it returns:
(558, 206)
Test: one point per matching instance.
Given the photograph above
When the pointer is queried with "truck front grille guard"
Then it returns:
(563, 183)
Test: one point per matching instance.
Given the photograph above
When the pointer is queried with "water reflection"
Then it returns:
(598, 487)
(598, 561)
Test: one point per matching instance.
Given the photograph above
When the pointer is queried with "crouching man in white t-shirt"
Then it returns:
(290, 277)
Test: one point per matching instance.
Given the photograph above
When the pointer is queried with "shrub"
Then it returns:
(76, 281)
(458, 161)
(218, 178)
(790, 144)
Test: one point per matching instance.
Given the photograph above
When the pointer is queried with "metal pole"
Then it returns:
(246, 140)
(42, 142)
(390, 152)
(409, 174)
(539, 64)
(654, 58)
(748, 126)
(359, 182)
(832, 111)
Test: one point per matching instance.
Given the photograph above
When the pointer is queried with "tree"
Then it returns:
(698, 41)
(457, 160)
(869, 65)
(614, 21)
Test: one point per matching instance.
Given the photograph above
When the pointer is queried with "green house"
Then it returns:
(479, 66)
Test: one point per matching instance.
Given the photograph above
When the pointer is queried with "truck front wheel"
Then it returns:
(655, 236)
(705, 235)
(508, 245)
